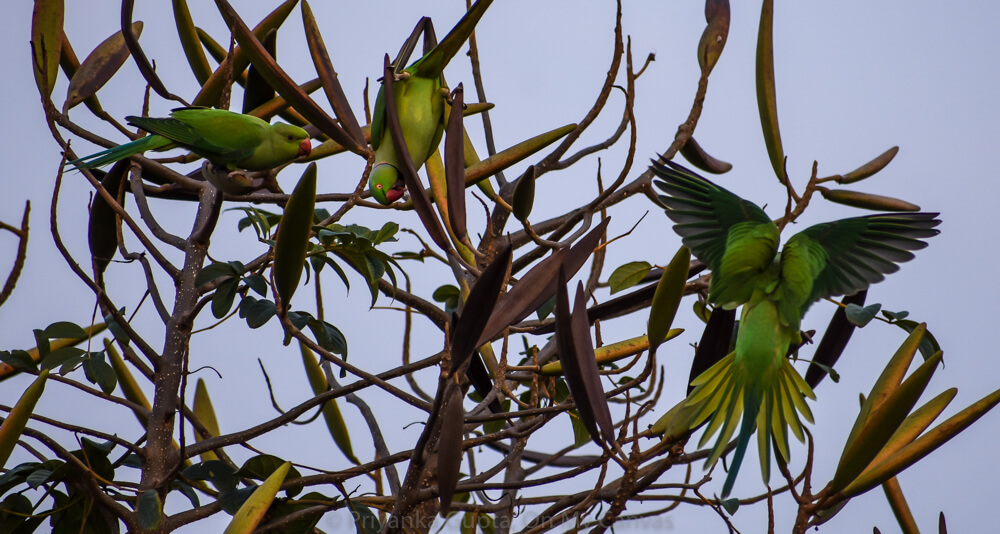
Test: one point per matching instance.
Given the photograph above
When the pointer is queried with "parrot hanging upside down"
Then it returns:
(227, 139)
(739, 243)
(420, 104)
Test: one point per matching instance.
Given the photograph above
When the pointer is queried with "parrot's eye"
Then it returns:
(378, 186)
(291, 138)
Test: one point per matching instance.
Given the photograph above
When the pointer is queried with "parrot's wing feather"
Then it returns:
(378, 118)
(846, 256)
(433, 63)
(734, 237)
(216, 134)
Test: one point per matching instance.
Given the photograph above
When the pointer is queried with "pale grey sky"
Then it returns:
(853, 79)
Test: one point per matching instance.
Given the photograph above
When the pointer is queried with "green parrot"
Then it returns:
(420, 105)
(739, 243)
(227, 139)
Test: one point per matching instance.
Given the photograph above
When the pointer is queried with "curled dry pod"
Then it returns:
(866, 201)
(697, 156)
(524, 194)
(252, 512)
(102, 228)
(46, 43)
(99, 67)
(450, 447)
(668, 296)
(713, 39)
(13, 425)
(869, 168)
(292, 241)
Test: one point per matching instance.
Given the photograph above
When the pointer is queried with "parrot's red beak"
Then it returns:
(396, 192)
(305, 147)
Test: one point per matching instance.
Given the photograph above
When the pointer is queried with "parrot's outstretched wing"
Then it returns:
(846, 256)
(734, 237)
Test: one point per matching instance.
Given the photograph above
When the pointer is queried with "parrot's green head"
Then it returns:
(290, 141)
(386, 183)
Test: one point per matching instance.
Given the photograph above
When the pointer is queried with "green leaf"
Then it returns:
(62, 356)
(225, 295)
(730, 505)
(213, 271)
(100, 372)
(231, 500)
(546, 308)
(18, 359)
(365, 521)
(859, 316)
(257, 312)
(149, 510)
(257, 283)
(895, 316)
(628, 275)
(220, 474)
(580, 434)
(65, 329)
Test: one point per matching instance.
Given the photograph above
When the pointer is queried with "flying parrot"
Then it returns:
(756, 385)
(227, 139)
(420, 105)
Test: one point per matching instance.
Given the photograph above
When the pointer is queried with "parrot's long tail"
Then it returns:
(726, 395)
(120, 152)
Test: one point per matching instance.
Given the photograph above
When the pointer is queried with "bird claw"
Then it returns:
(232, 182)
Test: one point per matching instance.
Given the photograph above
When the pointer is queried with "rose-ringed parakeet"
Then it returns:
(420, 104)
(227, 139)
(756, 385)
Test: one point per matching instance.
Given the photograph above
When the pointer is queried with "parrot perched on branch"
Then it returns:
(227, 139)
(756, 385)
(420, 100)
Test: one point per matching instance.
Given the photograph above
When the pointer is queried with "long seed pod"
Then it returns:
(292, 241)
(450, 448)
(252, 512)
(46, 43)
(668, 296)
(99, 67)
(540, 283)
(13, 425)
(766, 100)
(454, 165)
(478, 306)
(869, 168)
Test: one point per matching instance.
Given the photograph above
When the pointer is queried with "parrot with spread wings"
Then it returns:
(756, 386)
